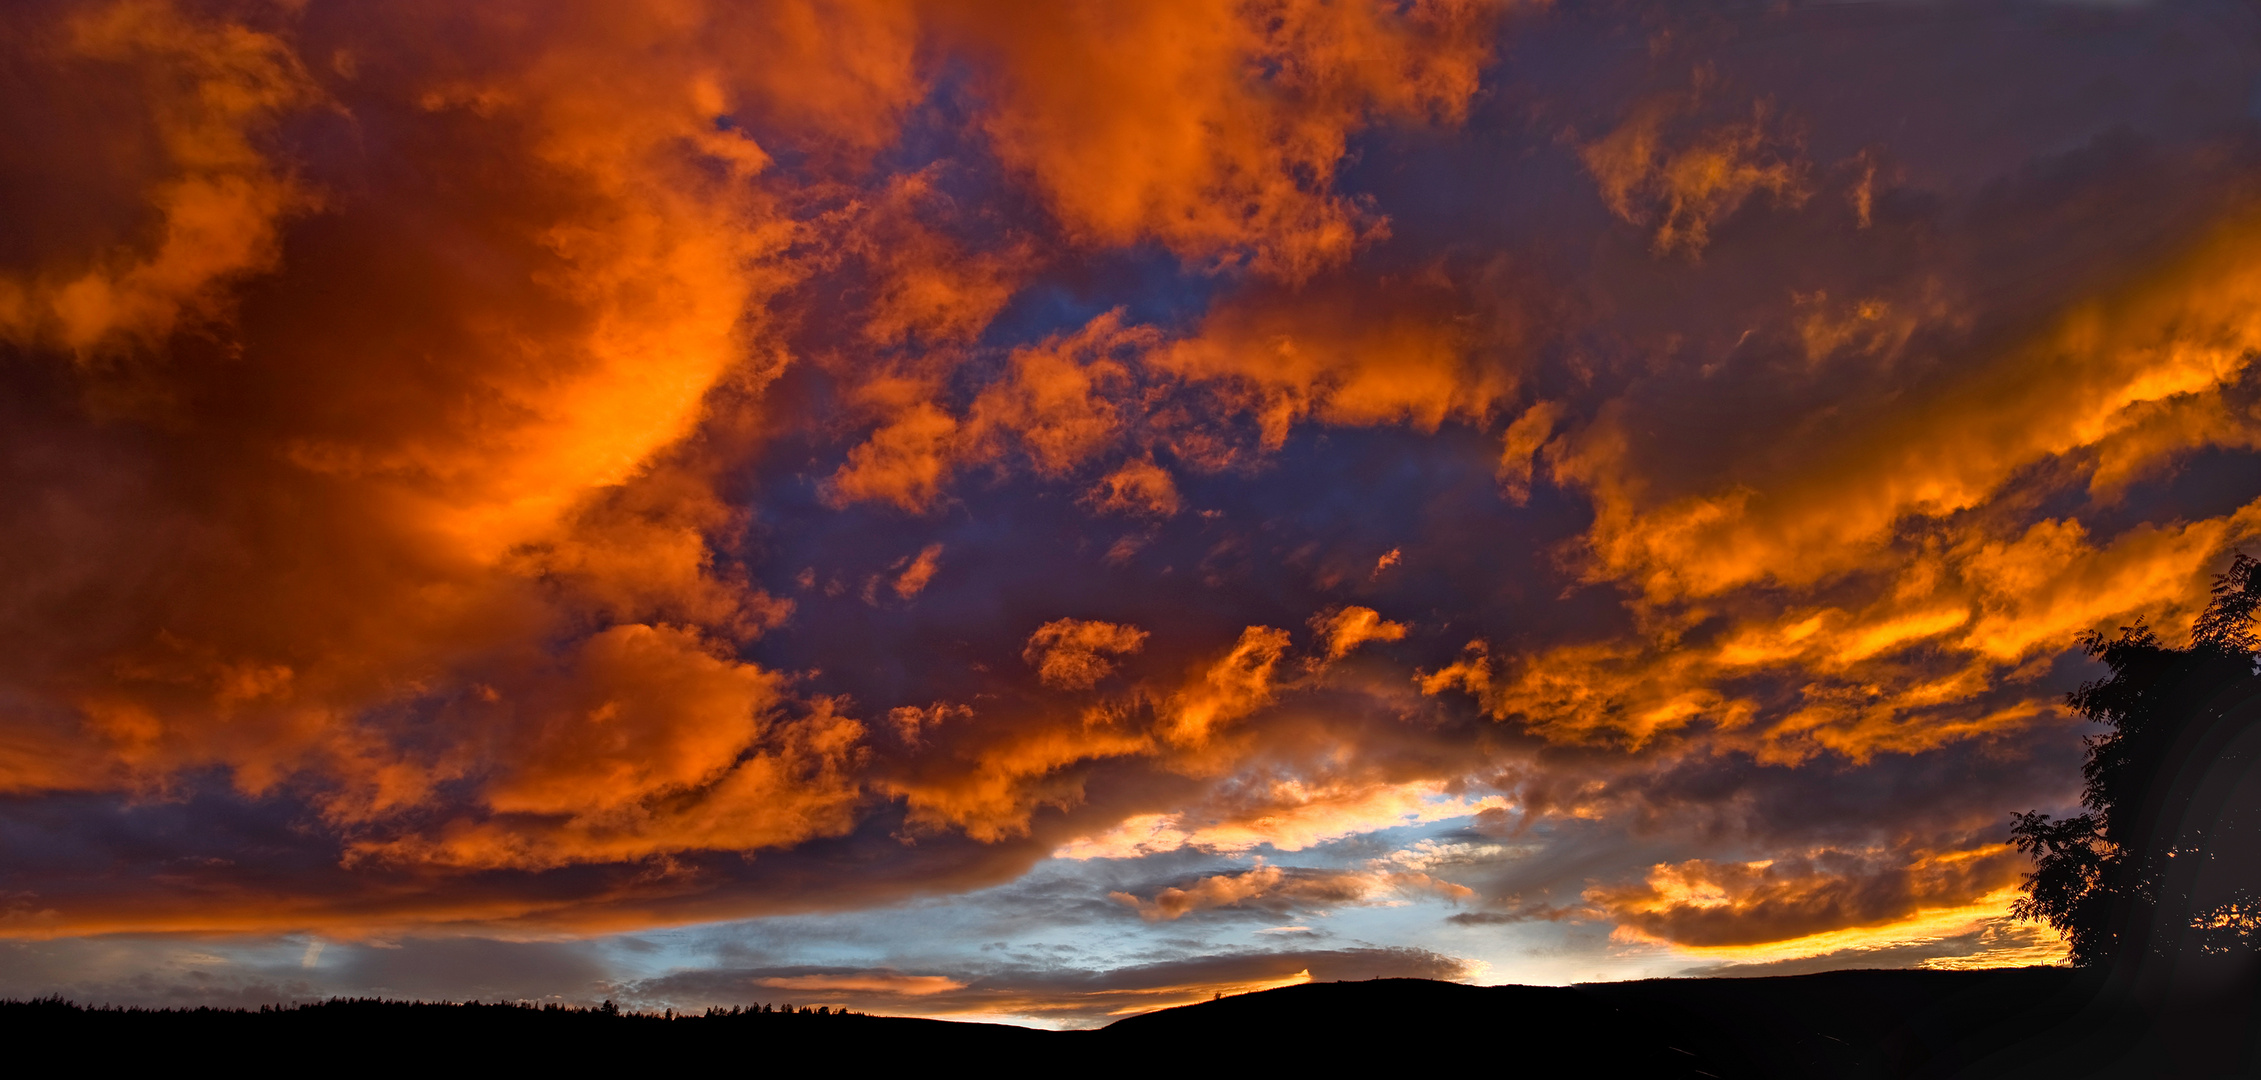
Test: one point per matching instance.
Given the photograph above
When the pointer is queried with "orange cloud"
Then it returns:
(1285, 814)
(2097, 372)
(1219, 890)
(930, 288)
(1353, 626)
(1151, 120)
(1055, 406)
(912, 722)
(208, 91)
(1338, 352)
(661, 747)
(1139, 487)
(441, 466)
(1707, 904)
(1686, 189)
(1941, 594)
(1233, 687)
(1345, 353)
(1068, 653)
(1978, 611)
(990, 789)
(996, 781)
(1272, 886)
(1055, 403)
(871, 983)
(904, 462)
(1521, 445)
(921, 570)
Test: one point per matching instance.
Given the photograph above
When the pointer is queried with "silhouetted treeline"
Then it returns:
(363, 1009)
(2040, 1022)
(370, 1033)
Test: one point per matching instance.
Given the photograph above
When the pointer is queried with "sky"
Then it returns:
(1043, 511)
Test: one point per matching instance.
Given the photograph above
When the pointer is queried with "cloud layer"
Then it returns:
(553, 469)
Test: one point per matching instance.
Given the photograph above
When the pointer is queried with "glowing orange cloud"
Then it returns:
(877, 982)
(1354, 626)
(208, 91)
(1711, 904)
(1141, 120)
(1684, 189)
(1288, 815)
(1071, 654)
(1272, 885)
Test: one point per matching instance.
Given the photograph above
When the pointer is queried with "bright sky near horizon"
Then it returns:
(1041, 511)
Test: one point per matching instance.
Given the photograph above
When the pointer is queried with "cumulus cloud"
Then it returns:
(919, 571)
(1236, 685)
(1055, 408)
(1353, 626)
(1139, 487)
(1074, 654)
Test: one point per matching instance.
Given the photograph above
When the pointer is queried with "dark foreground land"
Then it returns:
(2029, 1022)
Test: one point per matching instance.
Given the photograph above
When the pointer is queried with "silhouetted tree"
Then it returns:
(2165, 859)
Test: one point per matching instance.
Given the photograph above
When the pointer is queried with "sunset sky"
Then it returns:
(1045, 510)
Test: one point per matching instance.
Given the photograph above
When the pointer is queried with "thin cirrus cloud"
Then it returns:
(545, 472)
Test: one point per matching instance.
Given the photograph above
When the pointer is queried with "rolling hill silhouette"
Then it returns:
(2039, 1022)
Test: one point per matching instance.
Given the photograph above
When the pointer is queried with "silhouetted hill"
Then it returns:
(1404, 1022)
(2038, 1022)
